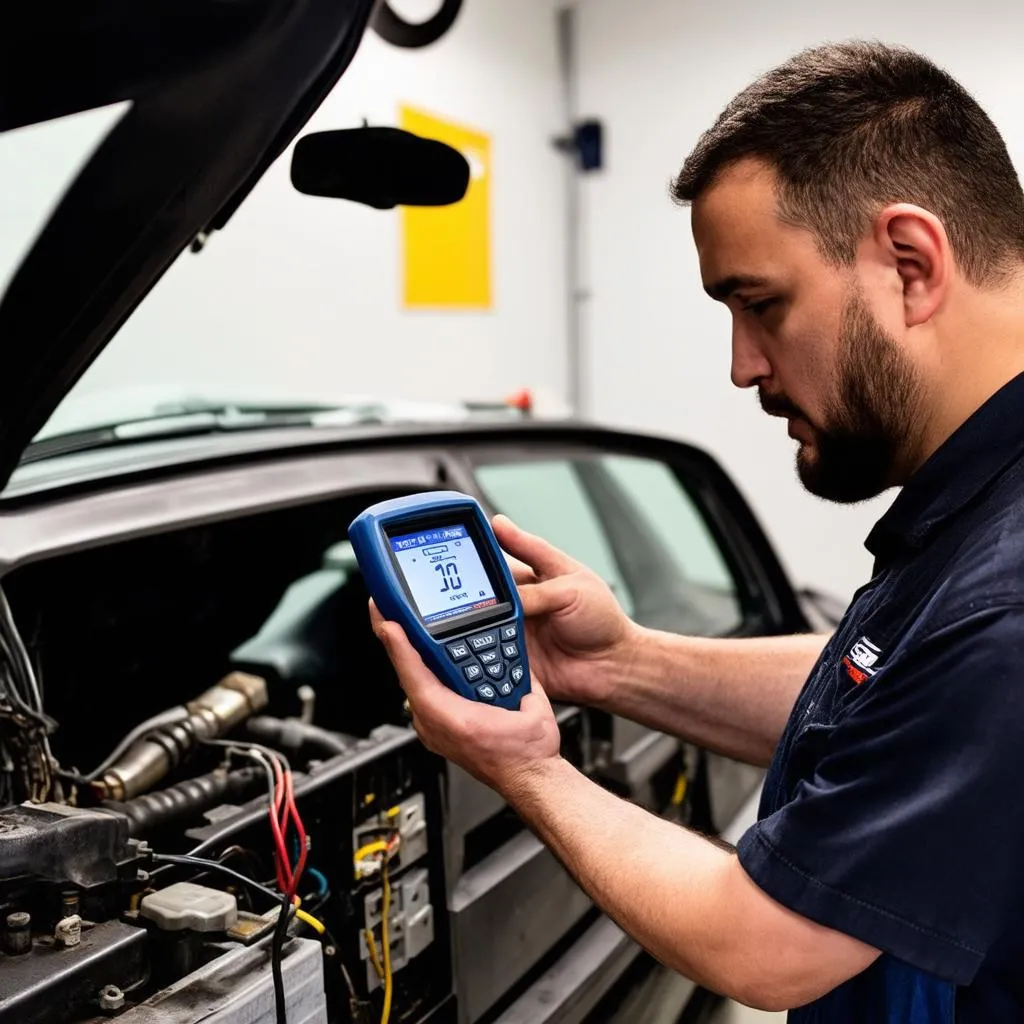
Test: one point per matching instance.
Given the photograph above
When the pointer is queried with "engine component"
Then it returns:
(51, 986)
(250, 928)
(237, 988)
(410, 923)
(409, 820)
(186, 905)
(292, 734)
(69, 902)
(63, 844)
(68, 932)
(307, 698)
(111, 999)
(216, 712)
(18, 933)
(301, 640)
(189, 798)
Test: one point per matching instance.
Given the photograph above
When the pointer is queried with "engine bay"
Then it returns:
(213, 800)
(190, 680)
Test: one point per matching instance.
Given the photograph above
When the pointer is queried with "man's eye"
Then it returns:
(757, 308)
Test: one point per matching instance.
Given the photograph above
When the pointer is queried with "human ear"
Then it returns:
(917, 246)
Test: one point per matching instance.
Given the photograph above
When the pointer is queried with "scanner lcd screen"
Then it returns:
(444, 572)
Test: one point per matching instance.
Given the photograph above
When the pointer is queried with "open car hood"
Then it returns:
(218, 89)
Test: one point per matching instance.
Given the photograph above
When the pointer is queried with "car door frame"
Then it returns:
(767, 598)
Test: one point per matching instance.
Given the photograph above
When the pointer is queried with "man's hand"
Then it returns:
(495, 745)
(580, 641)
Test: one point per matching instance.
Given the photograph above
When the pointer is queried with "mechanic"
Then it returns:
(859, 215)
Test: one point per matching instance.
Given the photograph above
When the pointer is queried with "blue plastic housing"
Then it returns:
(369, 534)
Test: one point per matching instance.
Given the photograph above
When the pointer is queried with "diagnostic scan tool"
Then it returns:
(432, 563)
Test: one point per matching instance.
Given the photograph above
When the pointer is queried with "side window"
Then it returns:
(633, 522)
(547, 498)
(656, 490)
(703, 576)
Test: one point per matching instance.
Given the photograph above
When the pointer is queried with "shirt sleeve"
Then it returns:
(909, 832)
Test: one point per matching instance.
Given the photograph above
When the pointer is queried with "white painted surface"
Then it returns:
(657, 72)
(301, 297)
(734, 1013)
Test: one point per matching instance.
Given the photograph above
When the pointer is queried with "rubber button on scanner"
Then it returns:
(510, 632)
(488, 657)
(485, 692)
(516, 675)
(510, 650)
(496, 671)
(458, 651)
(473, 672)
(483, 640)
(506, 687)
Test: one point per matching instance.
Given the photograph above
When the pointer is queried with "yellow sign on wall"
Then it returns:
(448, 248)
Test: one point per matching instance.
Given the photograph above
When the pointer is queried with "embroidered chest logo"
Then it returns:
(861, 661)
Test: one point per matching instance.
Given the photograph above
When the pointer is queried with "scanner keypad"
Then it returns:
(492, 654)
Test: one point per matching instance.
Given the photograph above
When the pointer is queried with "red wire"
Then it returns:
(300, 829)
(282, 813)
(281, 861)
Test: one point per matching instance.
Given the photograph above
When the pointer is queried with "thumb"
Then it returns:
(536, 702)
(544, 558)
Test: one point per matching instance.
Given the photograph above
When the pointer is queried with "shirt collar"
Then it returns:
(970, 458)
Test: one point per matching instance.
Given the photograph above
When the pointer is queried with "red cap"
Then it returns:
(521, 400)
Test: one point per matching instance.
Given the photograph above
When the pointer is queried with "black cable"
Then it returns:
(213, 865)
(276, 954)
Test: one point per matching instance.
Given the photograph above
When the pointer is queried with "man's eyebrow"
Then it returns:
(722, 290)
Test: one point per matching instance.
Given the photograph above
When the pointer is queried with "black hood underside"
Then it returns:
(218, 89)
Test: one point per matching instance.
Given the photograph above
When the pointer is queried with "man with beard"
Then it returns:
(859, 215)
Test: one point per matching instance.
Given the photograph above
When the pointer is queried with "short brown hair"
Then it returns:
(851, 127)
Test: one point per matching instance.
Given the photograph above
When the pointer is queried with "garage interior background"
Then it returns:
(320, 280)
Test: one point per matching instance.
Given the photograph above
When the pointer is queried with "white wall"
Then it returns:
(301, 297)
(657, 72)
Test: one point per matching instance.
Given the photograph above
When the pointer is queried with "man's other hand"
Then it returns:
(578, 638)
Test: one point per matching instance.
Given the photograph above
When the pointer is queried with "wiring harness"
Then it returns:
(27, 768)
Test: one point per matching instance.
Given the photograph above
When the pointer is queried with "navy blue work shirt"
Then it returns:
(893, 810)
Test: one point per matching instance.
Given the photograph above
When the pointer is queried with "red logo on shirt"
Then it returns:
(860, 662)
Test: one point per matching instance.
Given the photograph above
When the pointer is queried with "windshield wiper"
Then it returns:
(197, 418)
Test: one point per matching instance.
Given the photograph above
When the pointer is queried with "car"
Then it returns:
(191, 699)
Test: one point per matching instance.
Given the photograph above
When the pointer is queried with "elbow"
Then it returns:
(774, 995)
(775, 991)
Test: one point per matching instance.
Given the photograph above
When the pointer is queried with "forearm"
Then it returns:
(671, 890)
(730, 696)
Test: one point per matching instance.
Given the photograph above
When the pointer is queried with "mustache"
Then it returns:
(779, 405)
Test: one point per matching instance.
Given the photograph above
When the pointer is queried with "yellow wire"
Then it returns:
(377, 846)
(371, 945)
(313, 923)
(679, 794)
(385, 1015)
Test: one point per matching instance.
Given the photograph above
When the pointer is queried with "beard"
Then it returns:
(859, 449)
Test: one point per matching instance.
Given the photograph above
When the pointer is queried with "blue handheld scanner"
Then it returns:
(432, 563)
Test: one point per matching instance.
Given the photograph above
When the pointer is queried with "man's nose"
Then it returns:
(749, 363)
